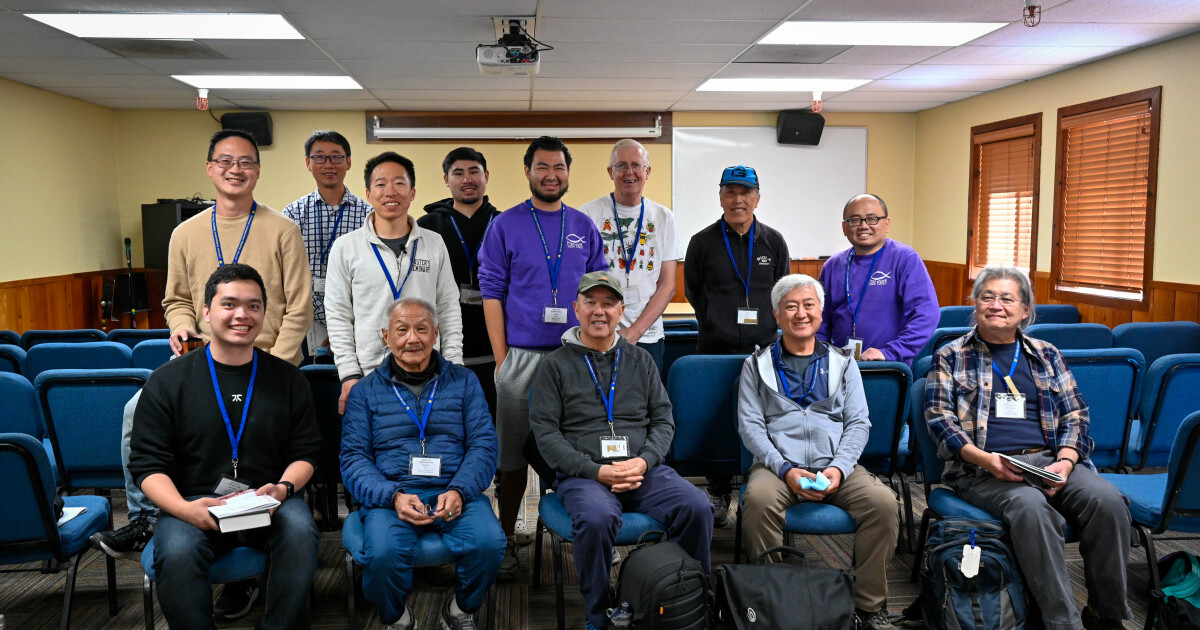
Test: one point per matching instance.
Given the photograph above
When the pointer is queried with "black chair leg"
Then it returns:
(351, 587)
(148, 601)
(559, 600)
(919, 549)
(539, 531)
(906, 485)
(737, 535)
(1155, 580)
(69, 590)
(111, 569)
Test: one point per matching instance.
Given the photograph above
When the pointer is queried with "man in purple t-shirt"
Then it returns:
(880, 300)
(529, 265)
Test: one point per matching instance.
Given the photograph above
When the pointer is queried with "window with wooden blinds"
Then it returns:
(1005, 168)
(1106, 176)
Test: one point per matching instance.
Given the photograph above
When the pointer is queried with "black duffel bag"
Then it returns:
(782, 596)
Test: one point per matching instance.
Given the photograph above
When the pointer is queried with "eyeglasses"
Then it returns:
(636, 167)
(321, 159)
(227, 163)
(869, 220)
(991, 298)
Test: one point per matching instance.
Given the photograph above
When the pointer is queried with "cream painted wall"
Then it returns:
(943, 152)
(61, 161)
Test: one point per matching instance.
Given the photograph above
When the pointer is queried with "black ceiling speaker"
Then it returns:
(257, 124)
(799, 126)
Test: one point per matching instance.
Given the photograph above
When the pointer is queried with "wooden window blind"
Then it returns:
(1107, 167)
(1005, 168)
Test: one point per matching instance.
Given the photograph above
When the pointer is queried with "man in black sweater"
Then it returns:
(227, 418)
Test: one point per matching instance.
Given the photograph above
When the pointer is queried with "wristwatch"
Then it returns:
(291, 489)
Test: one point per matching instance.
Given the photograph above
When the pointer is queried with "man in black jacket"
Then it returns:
(728, 273)
(220, 420)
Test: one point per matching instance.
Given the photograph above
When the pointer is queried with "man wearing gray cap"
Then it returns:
(603, 422)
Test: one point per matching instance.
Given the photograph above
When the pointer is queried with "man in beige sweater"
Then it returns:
(238, 229)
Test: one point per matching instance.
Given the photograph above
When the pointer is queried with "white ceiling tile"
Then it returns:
(392, 27)
(633, 53)
(607, 97)
(1050, 33)
(576, 106)
(256, 50)
(899, 95)
(17, 25)
(1124, 12)
(142, 6)
(877, 55)
(475, 82)
(416, 7)
(896, 106)
(51, 48)
(577, 83)
(453, 96)
(43, 65)
(406, 51)
(1032, 55)
(631, 71)
(667, 9)
(806, 70)
(309, 104)
(181, 92)
(690, 104)
(939, 83)
(447, 68)
(666, 31)
(241, 96)
(731, 97)
(222, 66)
(49, 81)
(915, 10)
(470, 106)
(998, 72)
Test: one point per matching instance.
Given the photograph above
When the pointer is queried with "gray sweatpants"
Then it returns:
(513, 381)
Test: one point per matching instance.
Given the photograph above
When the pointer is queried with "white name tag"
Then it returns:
(1009, 406)
(747, 316)
(554, 314)
(970, 560)
(632, 295)
(318, 284)
(229, 485)
(468, 294)
(613, 447)
(854, 345)
(426, 466)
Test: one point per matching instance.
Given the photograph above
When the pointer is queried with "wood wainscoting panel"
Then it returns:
(72, 301)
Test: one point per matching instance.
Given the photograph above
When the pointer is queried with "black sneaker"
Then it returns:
(877, 620)
(451, 622)
(127, 542)
(235, 600)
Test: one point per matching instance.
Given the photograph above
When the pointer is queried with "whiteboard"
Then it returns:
(803, 188)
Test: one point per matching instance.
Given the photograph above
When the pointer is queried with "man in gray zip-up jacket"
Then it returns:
(803, 415)
(603, 422)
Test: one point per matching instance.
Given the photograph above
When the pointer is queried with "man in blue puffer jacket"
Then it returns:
(418, 449)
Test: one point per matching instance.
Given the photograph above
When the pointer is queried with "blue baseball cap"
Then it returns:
(739, 174)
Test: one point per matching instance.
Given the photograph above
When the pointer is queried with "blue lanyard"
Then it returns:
(1012, 369)
(749, 261)
(245, 232)
(562, 238)
(424, 415)
(233, 441)
(866, 283)
(332, 235)
(387, 274)
(783, 382)
(612, 386)
(637, 237)
(471, 258)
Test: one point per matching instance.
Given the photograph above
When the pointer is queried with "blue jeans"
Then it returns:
(595, 513)
(137, 503)
(474, 538)
(183, 554)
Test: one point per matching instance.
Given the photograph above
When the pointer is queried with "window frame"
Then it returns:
(976, 179)
(1153, 96)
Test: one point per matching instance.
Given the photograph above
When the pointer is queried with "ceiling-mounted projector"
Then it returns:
(516, 53)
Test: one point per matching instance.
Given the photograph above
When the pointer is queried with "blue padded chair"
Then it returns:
(941, 337)
(28, 531)
(31, 338)
(920, 367)
(431, 550)
(22, 415)
(1110, 380)
(886, 385)
(1167, 501)
(1168, 396)
(12, 359)
(10, 337)
(152, 354)
(93, 355)
(1056, 314)
(956, 317)
(678, 342)
(133, 336)
(235, 565)
(1158, 339)
(83, 410)
(681, 324)
(1073, 336)
(326, 389)
(703, 392)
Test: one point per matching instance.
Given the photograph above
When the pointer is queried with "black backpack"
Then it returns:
(665, 587)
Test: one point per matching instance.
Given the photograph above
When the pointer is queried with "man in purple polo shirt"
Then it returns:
(529, 265)
(880, 300)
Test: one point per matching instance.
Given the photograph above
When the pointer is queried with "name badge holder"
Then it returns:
(746, 316)
(422, 465)
(469, 292)
(552, 313)
(855, 345)
(854, 310)
(1011, 404)
(234, 441)
(318, 284)
(632, 294)
(613, 446)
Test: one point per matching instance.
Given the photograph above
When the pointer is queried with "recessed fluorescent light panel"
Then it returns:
(781, 85)
(171, 25)
(879, 33)
(267, 82)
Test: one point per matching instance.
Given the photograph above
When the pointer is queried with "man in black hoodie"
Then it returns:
(463, 220)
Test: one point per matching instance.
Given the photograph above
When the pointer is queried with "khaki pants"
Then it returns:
(869, 502)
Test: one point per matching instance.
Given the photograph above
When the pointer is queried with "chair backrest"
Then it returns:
(920, 368)
(83, 411)
(132, 336)
(20, 407)
(151, 354)
(28, 526)
(678, 342)
(12, 359)
(1168, 396)
(326, 389)
(886, 385)
(92, 355)
(1073, 336)
(1158, 339)
(681, 324)
(925, 447)
(703, 391)
(956, 316)
(8, 336)
(941, 337)
(1181, 505)
(1110, 381)
(1056, 314)
(31, 338)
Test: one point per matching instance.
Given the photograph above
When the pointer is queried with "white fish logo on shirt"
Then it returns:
(880, 278)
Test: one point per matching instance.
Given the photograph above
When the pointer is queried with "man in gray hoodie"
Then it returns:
(803, 415)
(602, 421)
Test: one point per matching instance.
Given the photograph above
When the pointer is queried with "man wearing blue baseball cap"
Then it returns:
(728, 272)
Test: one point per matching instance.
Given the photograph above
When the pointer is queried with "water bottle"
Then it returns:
(621, 617)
